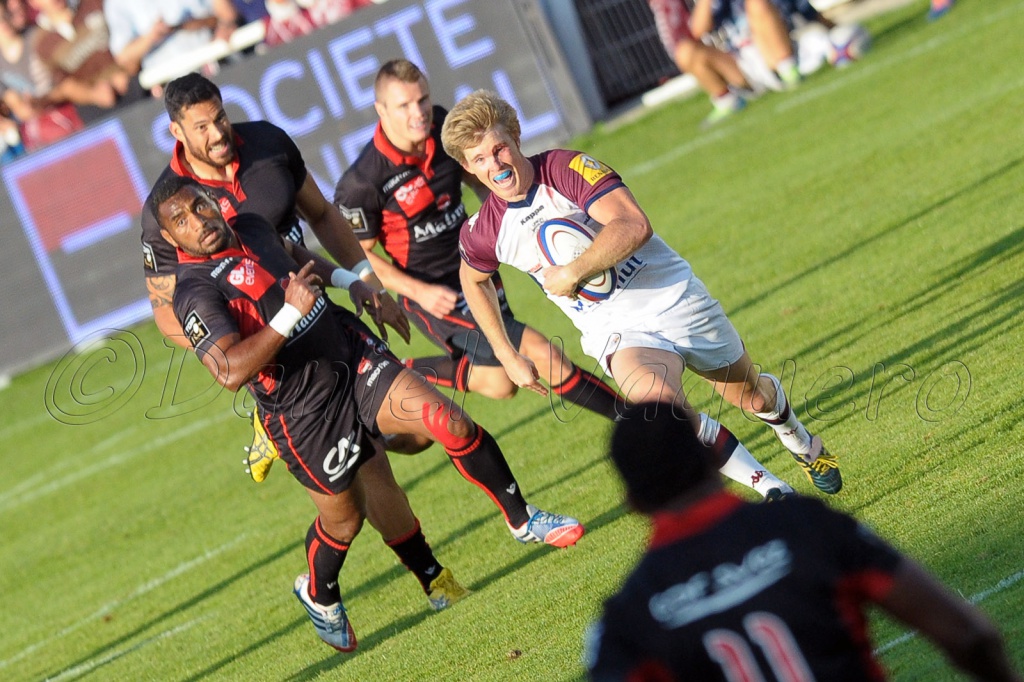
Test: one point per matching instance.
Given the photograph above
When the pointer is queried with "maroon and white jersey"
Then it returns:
(730, 590)
(566, 183)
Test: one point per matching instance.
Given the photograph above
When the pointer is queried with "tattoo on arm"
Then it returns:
(161, 290)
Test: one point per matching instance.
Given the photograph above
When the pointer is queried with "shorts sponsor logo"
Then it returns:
(148, 257)
(444, 201)
(364, 366)
(590, 168)
(195, 329)
(341, 457)
(376, 373)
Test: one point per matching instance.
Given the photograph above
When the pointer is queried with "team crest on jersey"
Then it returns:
(148, 257)
(354, 216)
(590, 168)
(195, 329)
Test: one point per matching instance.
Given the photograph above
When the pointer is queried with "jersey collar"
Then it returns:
(400, 158)
(672, 526)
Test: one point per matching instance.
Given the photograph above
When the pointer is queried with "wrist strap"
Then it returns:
(342, 278)
(362, 269)
(284, 322)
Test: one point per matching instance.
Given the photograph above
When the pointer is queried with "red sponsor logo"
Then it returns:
(251, 279)
(414, 196)
(444, 201)
(226, 209)
(364, 365)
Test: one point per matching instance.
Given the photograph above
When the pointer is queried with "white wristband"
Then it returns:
(284, 322)
(342, 278)
(362, 269)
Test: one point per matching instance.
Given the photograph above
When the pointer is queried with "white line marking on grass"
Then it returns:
(44, 475)
(9, 500)
(89, 666)
(24, 424)
(1003, 584)
(137, 592)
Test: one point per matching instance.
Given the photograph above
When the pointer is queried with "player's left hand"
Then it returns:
(523, 373)
(560, 280)
(383, 309)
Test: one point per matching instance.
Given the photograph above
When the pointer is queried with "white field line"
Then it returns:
(35, 479)
(809, 91)
(18, 427)
(89, 666)
(110, 606)
(1003, 584)
(11, 499)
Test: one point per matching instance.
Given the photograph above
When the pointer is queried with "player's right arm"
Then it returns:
(961, 631)
(436, 299)
(232, 360)
(482, 298)
(161, 294)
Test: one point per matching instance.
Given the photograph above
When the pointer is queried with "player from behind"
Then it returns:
(732, 591)
(405, 193)
(659, 319)
(327, 387)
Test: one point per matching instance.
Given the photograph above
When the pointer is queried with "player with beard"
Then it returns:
(254, 168)
(327, 386)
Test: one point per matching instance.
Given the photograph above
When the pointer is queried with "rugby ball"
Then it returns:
(561, 241)
(849, 43)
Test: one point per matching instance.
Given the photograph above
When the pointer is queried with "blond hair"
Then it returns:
(472, 117)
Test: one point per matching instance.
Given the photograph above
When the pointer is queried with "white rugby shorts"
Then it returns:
(695, 328)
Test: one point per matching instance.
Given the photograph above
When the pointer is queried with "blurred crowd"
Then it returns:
(67, 63)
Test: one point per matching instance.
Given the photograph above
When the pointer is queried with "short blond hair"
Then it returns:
(472, 117)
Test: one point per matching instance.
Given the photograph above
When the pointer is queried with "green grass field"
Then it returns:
(866, 236)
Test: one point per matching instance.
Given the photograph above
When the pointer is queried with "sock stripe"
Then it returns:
(403, 538)
(327, 539)
(574, 378)
(473, 445)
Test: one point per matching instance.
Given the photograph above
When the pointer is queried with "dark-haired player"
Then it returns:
(733, 591)
(405, 193)
(327, 387)
(253, 169)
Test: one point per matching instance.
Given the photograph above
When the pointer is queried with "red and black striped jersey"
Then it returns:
(412, 205)
(729, 590)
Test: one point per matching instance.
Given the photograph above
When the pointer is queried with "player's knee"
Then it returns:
(342, 529)
(454, 432)
(496, 390)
